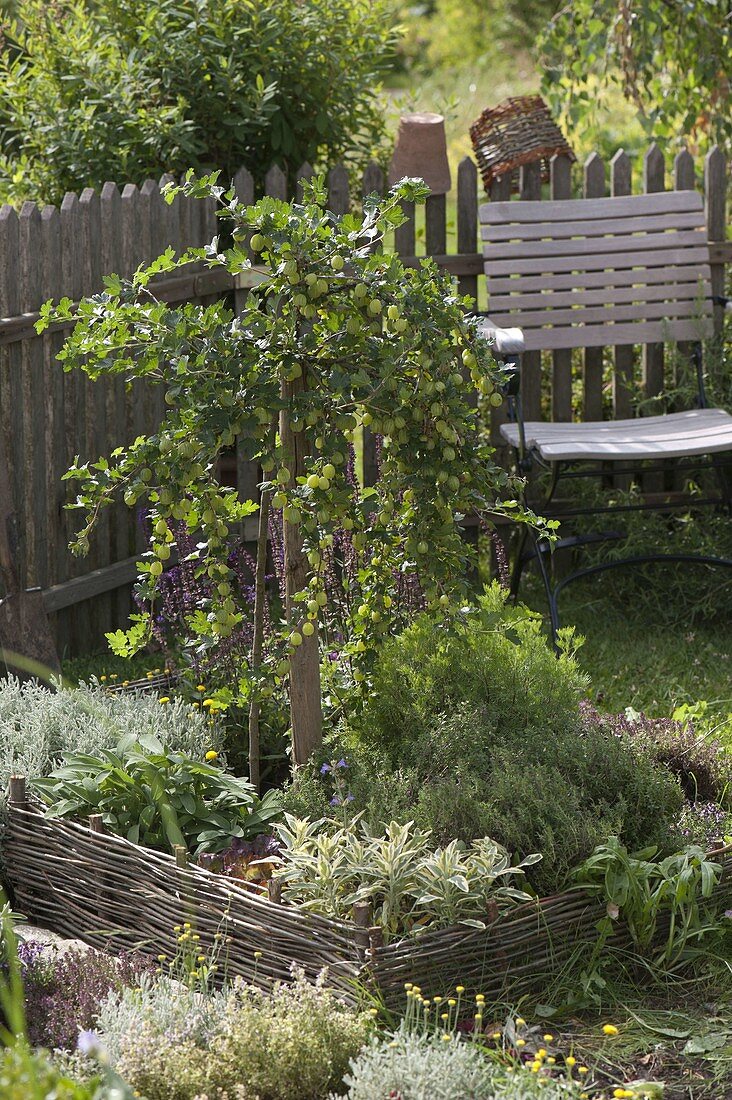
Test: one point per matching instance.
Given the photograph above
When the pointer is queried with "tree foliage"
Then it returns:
(348, 337)
(672, 59)
(125, 89)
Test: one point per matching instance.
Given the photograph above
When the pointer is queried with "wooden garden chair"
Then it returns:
(594, 273)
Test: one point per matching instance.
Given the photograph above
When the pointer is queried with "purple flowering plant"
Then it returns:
(63, 990)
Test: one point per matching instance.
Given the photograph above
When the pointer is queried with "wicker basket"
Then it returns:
(518, 131)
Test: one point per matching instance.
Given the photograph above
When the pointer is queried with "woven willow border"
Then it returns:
(113, 894)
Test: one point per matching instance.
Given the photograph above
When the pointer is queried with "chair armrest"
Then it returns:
(507, 342)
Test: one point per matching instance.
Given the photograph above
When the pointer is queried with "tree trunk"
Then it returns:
(258, 637)
(306, 715)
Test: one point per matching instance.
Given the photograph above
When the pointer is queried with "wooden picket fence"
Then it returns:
(47, 417)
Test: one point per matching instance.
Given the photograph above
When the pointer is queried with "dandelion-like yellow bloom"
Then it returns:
(186, 925)
(408, 986)
(444, 1016)
(176, 928)
(394, 1044)
(163, 700)
(162, 958)
(459, 988)
(200, 687)
(570, 1061)
(125, 683)
(520, 1042)
(478, 1017)
(102, 678)
(610, 1029)
(520, 1022)
(541, 1053)
(257, 954)
(201, 958)
(373, 1012)
(195, 938)
(207, 703)
(582, 1069)
(548, 1038)
(212, 754)
(480, 998)
(496, 1035)
(551, 1061)
(437, 1000)
(452, 1001)
(446, 1038)
(535, 1067)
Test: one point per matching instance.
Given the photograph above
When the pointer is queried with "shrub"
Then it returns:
(415, 1066)
(124, 89)
(37, 725)
(481, 734)
(700, 762)
(161, 1007)
(294, 1043)
(63, 992)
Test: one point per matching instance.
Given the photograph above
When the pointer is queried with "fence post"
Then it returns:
(654, 173)
(715, 189)
(593, 188)
(17, 797)
(531, 379)
(561, 188)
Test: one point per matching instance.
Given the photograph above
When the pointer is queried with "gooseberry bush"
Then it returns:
(337, 337)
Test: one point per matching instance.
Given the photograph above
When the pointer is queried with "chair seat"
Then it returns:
(673, 435)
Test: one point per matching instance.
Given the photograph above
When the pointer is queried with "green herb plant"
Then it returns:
(158, 799)
(410, 885)
(662, 903)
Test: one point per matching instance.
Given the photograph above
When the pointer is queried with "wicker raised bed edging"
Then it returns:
(114, 894)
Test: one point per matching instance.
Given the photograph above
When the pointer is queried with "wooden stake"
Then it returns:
(306, 715)
(258, 638)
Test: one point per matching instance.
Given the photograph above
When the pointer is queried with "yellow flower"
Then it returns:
(570, 1061)
(176, 928)
(257, 954)
(446, 1038)
(582, 1069)
(407, 985)
(478, 1017)
(480, 998)
(163, 700)
(444, 1016)
(196, 937)
(496, 1035)
(459, 988)
(548, 1038)
(535, 1067)
(373, 1012)
(212, 754)
(201, 958)
(200, 687)
(520, 1042)
(102, 678)
(437, 1000)
(125, 683)
(541, 1053)
(186, 924)
(610, 1029)
(622, 1094)
(551, 1061)
(207, 703)
(162, 958)
(520, 1022)
(452, 1001)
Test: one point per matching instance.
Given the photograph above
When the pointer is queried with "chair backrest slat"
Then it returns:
(599, 271)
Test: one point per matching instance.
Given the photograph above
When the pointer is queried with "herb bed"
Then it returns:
(114, 894)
